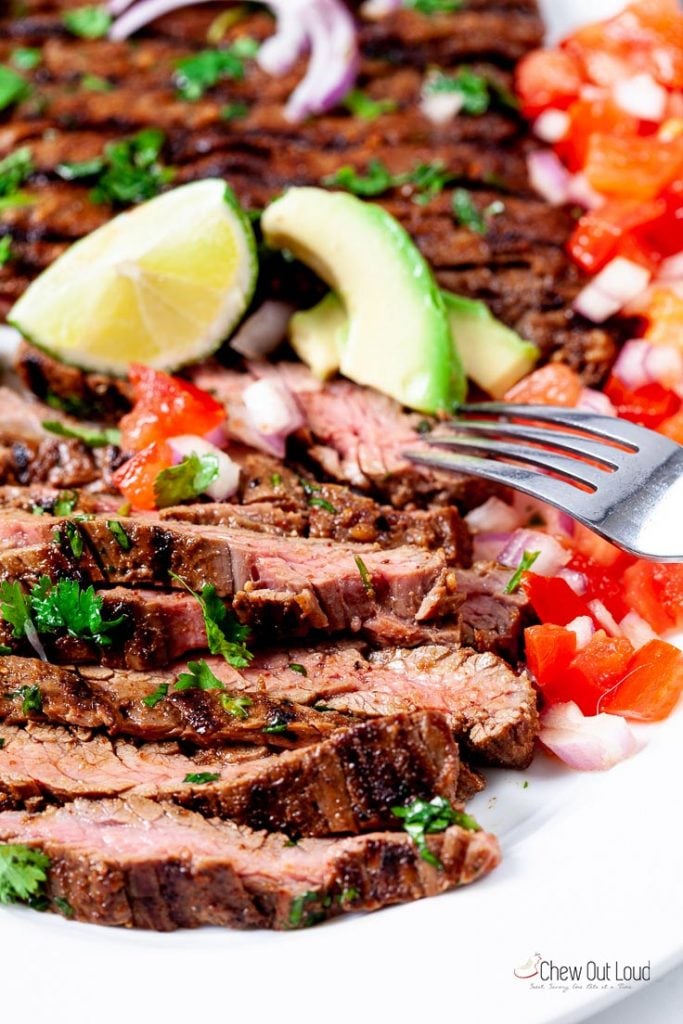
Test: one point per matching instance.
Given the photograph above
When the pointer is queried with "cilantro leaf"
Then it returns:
(199, 677)
(422, 818)
(13, 87)
(14, 607)
(128, 171)
(14, 170)
(466, 213)
(156, 696)
(63, 906)
(195, 74)
(93, 83)
(119, 534)
(31, 699)
(201, 778)
(294, 666)
(434, 6)
(93, 438)
(186, 480)
(26, 58)
(65, 605)
(365, 576)
(236, 706)
(72, 171)
(360, 105)
(377, 180)
(234, 111)
(5, 249)
(87, 22)
(321, 503)
(428, 180)
(472, 88)
(23, 873)
(224, 634)
(65, 503)
(528, 559)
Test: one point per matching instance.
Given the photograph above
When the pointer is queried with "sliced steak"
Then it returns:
(346, 784)
(148, 865)
(490, 619)
(40, 498)
(87, 395)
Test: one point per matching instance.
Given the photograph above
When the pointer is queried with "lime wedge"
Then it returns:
(162, 284)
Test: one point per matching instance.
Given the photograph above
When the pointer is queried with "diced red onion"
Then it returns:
(671, 269)
(278, 54)
(486, 547)
(576, 580)
(494, 515)
(218, 436)
(272, 412)
(584, 629)
(616, 284)
(32, 636)
(551, 125)
(264, 330)
(604, 617)
(10, 340)
(641, 363)
(227, 481)
(637, 630)
(641, 96)
(548, 176)
(552, 556)
(374, 10)
(535, 512)
(591, 400)
(587, 743)
(581, 191)
(441, 107)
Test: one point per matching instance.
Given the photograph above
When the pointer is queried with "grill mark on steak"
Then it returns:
(104, 398)
(140, 864)
(347, 783)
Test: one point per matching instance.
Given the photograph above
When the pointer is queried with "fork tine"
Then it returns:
(556, 492)
(609, 427)
(575, 443)
(575, 469)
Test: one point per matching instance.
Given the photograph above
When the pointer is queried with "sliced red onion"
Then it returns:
(227, 481)
(587, 743)
(264, 330)
(441, 107)
(278, 55)
(576, 580)
(139, 14)
(591, 400)
(333, 66)
(552, 556)
(32, 636)
(117, 7)
(637, 630)
(486, 547)
(551, 125)
(584, 629)
(581, 191)
(272, 412)
(671, 269)
(616, 284)
(641, 363)
(604, 618)
(494, 515)
(375, 10)
(641, 96)
(548, 176)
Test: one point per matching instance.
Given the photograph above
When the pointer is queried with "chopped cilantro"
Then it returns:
(321, 503)
(296, 667)
(234, 111)
(119, 534)
(5, 249)
(467, 214)
(23, 873)
(87, 22)
(65, 503)
(528, 559)
(186, 480)
(31, 699)
(525, 784)
(422, 818)
(365, 576)
(428, 180)
(434, 6)
(277, 728)
(13, 87)
(14, 170)
(128, 171)
(348, 895)
(154, 698)
(472, 88)
(93, 438)
(199, 677)
(66, 606)
(4, 649)
(224, 634)
(360, 105)
(201, 71)
(71, 536)
(63, 906)
(377, 180)
(236, 706)
(26, 58)
(72, 404)
(302, 914)
(201, 778)
(93, 83)
(275, 480)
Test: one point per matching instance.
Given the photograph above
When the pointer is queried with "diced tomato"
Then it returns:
(652, 684)
(673, 427)
(135, 478)
(596, 668)
(549, 650)
(635, 167)
(166, 406)
(667, 578)
(604, 582)
(547, 78)
(592, 549)
(600, 234)
(648, 405)
(664, 231)
(665, 317)
(554, 384)
(586, 117)
(641, 595)
(553, 599)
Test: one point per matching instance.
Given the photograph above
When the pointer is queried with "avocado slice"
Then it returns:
(318, 334)
(494, 356)
(398, 337)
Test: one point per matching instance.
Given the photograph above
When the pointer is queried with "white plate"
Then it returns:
(591, 875)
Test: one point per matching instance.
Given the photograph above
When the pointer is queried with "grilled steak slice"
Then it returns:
(145, 706)
(40, 498)
(489, 618)
(347, 783)
(141, 864)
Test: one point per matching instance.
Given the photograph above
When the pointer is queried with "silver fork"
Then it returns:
(630, 492)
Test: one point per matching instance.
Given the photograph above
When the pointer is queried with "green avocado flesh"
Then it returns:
(318, 334)
(398, 337)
